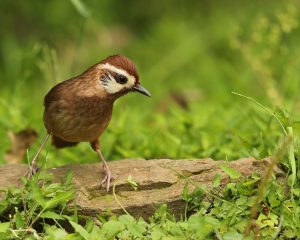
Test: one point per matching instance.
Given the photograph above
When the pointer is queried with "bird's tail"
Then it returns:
(60, 143)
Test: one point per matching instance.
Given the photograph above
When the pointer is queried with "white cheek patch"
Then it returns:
(112, 86)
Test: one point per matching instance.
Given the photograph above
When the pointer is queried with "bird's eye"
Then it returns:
(103, 77)
(121, 79)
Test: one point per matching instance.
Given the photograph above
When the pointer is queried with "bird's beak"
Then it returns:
(139, 88)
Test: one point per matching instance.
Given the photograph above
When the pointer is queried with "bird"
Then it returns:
(79, 109)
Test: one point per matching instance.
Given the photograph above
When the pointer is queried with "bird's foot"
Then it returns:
(32, 170)
(108, 178)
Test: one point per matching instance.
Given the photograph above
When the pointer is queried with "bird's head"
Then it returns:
(119, 76)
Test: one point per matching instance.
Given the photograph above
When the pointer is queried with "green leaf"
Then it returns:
(132, 182)
(202, 225)
(59, 199)
(52, 215)
(112, 228)
(274, 218)
(241, 200)
(232, 235)
(79, 229)
(19, 220)
(212, 221)
(274, 202)
(283, 116)
(250, 182)
(56, 233)
(4, 226)
(89, 225)
(132, 225)
(296, 192)
(68, 178)
(289, 233)
(231, 172)
(217, 180)
(37, 194)
(185, 192)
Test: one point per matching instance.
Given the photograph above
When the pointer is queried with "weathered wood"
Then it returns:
(160, 181)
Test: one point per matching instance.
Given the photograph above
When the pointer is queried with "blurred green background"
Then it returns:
(190, 54)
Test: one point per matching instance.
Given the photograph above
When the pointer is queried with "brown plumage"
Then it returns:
(79, 109)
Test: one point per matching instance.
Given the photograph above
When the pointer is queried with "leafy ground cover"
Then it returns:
(192, 57)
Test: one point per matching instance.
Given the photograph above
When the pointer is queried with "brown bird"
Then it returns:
(79, 109)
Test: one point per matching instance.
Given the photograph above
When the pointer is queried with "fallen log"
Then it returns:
(159, 181)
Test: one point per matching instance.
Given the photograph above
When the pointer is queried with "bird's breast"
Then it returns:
(78, 120)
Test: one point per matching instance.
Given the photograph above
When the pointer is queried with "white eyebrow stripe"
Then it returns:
(113, 86)
(112, 68)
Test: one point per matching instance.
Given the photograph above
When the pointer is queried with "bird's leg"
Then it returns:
(33, 168)
(108, 176)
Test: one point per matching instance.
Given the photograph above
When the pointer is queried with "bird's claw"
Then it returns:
(108, 178)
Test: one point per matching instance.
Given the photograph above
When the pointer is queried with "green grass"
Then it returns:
(198, 53)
